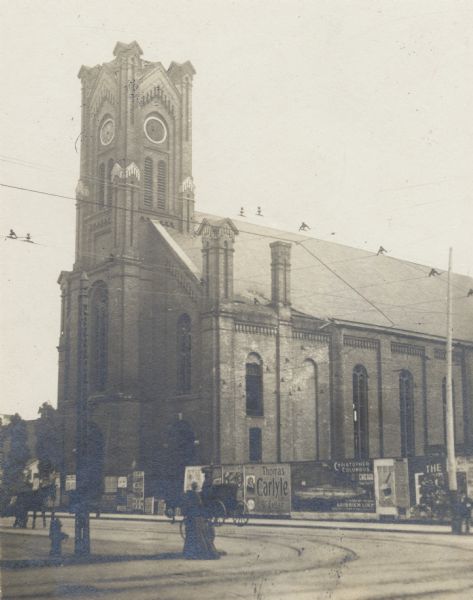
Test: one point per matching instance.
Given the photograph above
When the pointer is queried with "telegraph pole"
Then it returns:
(451, 460)
(82, 533)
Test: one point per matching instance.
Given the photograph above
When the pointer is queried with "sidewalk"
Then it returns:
(298, 519)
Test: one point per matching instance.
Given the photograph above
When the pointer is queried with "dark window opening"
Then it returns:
(148, 184)
(406, 399)
(360, 412)
(256, 446)
(254, 387)
(162, 184)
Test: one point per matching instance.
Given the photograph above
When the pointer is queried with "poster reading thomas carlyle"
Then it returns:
(236, 300)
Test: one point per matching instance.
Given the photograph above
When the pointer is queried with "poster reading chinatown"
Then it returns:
(333, 486)
(267, 489)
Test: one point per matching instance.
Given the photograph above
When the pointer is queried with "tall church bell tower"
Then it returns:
(135, 165)
(136, 153)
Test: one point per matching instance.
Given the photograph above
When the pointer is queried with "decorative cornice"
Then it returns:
(155, 94)
(101, 221)
(300, 334)
(360, 342)
(102, 96)
(442, 355)
(242, 327)
(222, 229)
(132, 170)
(410, 349)
(187, 185)
(82, 190)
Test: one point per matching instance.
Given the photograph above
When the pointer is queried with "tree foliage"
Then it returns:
(48, 441)
(16, 455)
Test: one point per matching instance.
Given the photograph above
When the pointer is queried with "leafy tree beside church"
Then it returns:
(16, 455)
(48, 441)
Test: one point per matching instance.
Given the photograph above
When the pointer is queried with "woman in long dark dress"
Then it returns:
(198, 543)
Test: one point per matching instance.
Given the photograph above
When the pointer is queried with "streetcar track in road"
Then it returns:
(297, 551)
(410, 542)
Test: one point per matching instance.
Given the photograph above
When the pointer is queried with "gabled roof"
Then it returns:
(330, 280)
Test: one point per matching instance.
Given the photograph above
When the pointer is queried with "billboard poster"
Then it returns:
(194, 474)
(333, 486)
(233, 475)
(391, 485)
(136, 495)
(70, 483)
(267, 488)
(428, 484)
(465, 475)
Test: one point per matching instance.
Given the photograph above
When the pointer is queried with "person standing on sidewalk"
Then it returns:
(198, 544)
(465, 505)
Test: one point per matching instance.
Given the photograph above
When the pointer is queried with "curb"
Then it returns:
(296, 522)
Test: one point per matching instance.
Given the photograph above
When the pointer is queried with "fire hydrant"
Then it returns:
(57, 537)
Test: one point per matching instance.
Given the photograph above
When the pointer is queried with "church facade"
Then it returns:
(212, 340)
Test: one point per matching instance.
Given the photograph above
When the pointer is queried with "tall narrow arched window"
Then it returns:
(109, 182)
(148, 183)
(162, 184)
(406, 400)
(444, 408)
(360, 412)
(184, 348)
(254, 385)
(98, 358)
(101, 185)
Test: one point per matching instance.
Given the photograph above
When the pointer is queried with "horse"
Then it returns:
(35, 501)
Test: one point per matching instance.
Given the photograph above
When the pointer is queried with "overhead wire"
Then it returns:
(257, 234)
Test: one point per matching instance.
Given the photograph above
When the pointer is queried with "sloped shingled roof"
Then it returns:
(330, 280)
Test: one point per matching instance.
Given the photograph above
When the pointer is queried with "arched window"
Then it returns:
(109, 182)
(444, 408)
(101, 185)
(184, 347)
(360, 412)
(148, 197)
(406, 400)
(254, 386)
(98, 336)
(162, 184)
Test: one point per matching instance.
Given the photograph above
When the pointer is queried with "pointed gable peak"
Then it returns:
(133, 49)
(215, 228)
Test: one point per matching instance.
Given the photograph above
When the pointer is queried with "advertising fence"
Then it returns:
(265, 488)
(333, 486)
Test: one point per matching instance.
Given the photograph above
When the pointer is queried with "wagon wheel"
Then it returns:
(218, 512)
(240, 514)
(170, 512)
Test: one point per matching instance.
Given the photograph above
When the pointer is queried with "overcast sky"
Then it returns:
(353, 116)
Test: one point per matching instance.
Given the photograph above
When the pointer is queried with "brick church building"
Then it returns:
(213, 340)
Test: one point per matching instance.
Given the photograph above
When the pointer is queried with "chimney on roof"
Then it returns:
(280, 273)
(217, 259)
